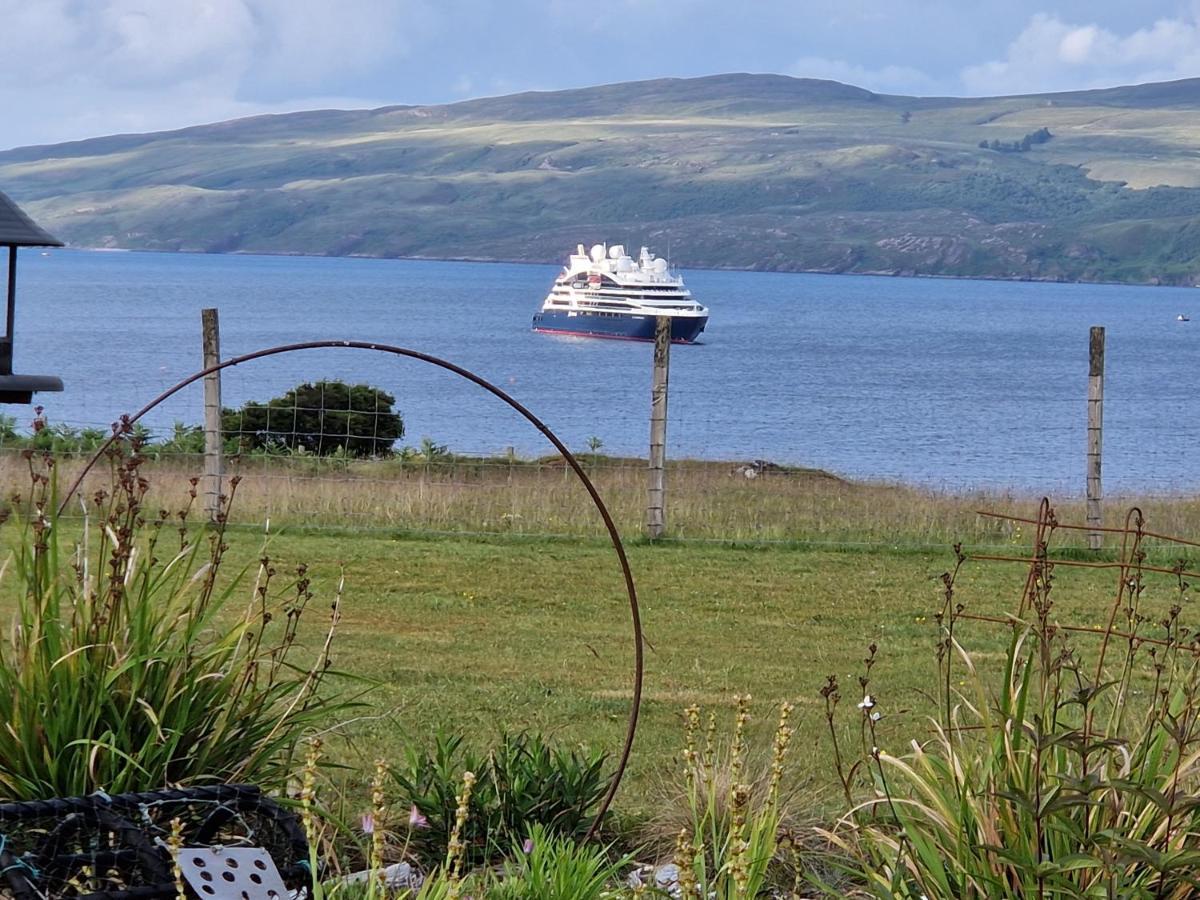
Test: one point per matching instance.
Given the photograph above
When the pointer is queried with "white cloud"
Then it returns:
(886, 80)
(121, 43)
(74, 69)
(77, 68)
(1053, 55)
(302, 43)
(139, 41)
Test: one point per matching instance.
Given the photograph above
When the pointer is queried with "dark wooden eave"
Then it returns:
(18, 230)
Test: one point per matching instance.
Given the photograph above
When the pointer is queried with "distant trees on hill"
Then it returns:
(1034, 137)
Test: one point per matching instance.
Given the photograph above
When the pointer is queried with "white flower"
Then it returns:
(868, 702)
(875, 717)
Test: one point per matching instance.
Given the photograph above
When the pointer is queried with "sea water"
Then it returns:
(956, 384)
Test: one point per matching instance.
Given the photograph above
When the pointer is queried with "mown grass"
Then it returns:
(483, 635)
(479, 636)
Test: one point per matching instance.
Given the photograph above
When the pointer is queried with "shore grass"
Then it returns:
(706, 501)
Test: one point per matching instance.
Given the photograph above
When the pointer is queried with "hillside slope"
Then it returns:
(746, 171)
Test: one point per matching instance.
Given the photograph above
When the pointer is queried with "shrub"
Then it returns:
(548, 866)
(521, 782)
(184, 440)
(324, 417)
(126, 667)
(1070, 778)
(63, 439)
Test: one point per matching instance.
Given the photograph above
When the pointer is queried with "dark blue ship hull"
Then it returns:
(684, 330)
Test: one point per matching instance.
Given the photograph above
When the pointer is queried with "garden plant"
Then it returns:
(134, 661)
(1071, 772)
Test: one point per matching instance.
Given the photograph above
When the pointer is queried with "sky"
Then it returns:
(72, 69)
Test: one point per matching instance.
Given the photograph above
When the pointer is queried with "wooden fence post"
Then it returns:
(656, 501)
(1095, 435)
(213, 465)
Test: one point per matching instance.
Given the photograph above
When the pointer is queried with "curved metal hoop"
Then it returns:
(613, 534)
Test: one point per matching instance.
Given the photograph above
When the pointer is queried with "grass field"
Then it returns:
(481, 633)
(484, 635)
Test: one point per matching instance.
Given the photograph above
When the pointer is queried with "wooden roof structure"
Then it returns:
(18, 230)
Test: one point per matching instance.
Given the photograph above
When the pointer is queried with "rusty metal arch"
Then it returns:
(614, 535)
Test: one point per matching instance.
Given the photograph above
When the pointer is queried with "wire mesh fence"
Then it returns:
(951, 385)
(323, 439)
(317, 477)
(978, 445)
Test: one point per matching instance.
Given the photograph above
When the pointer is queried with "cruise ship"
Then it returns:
(606, 293)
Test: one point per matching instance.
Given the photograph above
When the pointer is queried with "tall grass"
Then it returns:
(708, 501)
(725, 817)
(134, 661)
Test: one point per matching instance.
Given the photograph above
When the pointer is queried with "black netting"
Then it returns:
(101, 847)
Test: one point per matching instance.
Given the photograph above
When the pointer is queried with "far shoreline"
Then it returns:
(875, 273)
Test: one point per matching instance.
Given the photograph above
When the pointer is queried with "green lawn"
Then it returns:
(480, 636)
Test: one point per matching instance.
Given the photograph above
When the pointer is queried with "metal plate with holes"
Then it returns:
(228, 873)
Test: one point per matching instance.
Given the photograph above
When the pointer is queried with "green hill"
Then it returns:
(745, 171)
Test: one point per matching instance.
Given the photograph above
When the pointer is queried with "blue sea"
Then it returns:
(954, 384)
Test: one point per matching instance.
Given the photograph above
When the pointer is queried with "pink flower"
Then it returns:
(528, 845)
(415, 819)
(368, 823)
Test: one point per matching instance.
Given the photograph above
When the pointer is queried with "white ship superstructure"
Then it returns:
(607, 293)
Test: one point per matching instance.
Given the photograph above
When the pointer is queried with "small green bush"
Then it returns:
(184, 440)
(549, 866)
(521, 782)
(321, 418)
